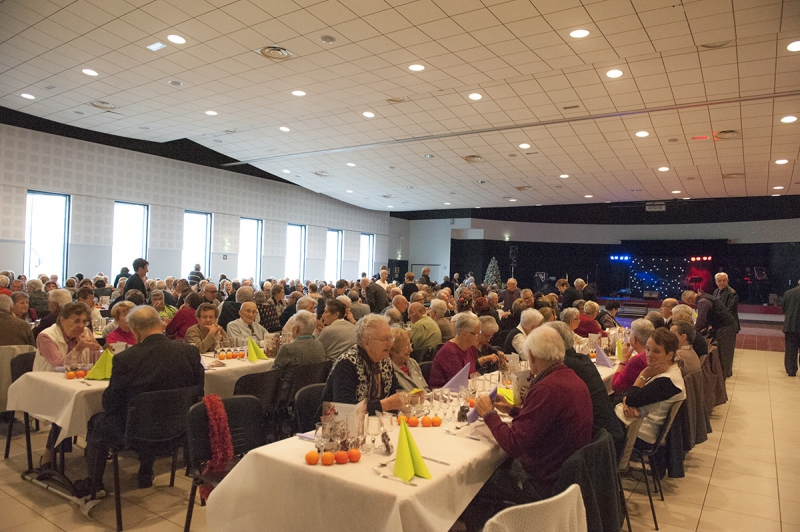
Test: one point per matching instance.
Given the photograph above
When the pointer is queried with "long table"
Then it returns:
(273, 486)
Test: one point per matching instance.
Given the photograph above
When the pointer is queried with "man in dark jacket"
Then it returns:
(155, 363)
(586, 291)
(570, 294)
(791, 328)
(712, 313)
(375, 295)
(728, 296)
(137, 280)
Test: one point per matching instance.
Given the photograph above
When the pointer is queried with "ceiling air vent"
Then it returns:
(727, 134)
(715, 45)
(733, 176)
(102, 105)
(276, 53)
(523, 188)
(473, 159)
(321, 173)
(400, 99)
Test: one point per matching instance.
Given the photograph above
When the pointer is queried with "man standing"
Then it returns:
(425, 333)
(425, 278)
(509, 295)
(728, 296)
(791, 328)
(137, 280)
(711, 312)
(339, 335)
(570, 294)
(587, 294)
(155, 363)
(247, 326)
(375, 295)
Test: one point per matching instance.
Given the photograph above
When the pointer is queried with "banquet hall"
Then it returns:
(641, 145)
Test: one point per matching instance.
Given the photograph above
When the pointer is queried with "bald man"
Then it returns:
(425, 332)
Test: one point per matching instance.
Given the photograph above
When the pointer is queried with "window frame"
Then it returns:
(206, 264)
(146, 232)
(303, 248)
(26, 253)
(259, 247)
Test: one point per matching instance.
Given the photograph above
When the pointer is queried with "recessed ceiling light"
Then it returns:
(676, 191)
(614, 73)
(351, 164)
(781, 161)
(477, 207)
(775, 195)
(642, 134)
(686, 198)
(212, 113)
(663, 168)
(416, 68)
(175, 83)
(90, 72)
(788, 119)
(390, 206)
(481, 181)
(349, 191)
(579, 34)
(78, 112)
(177, 39)
(28, 96)
(777, 188)
(447, 203)
(286, 171)
(794, 47)
(156, 46)
(429, 156)
(321, 173)
(564, 176)
(475, 96)
(588, 196)
(368, 114)
(409, 187)
(327, 39)
(298, 93)
(284, 129)
(524, 145)
(512, 199)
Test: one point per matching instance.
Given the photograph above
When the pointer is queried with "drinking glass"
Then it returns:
(373, 430)
(321, 436)
(417, 403)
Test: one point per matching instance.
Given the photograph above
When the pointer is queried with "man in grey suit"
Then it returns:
(357, 309)
(339, 335)
(791, 328)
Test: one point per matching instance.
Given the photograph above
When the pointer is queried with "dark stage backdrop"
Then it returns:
(744, 263)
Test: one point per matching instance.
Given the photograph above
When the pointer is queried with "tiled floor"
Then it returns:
(761, 337)
(746, 477)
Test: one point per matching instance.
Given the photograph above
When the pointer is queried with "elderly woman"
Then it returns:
(463, 308)
(686, 313)
(515, 341)
(406, 370)
(633, 358)
(50, 285)
(270, 311)
(658, 386)
(206, 334)
(608, 318)
(458, 352)
(489, 328)
(409, 286)
(572, 317)
(548, 314)
(20, 308)
(587, 321)
(686, 358)
(166, 312)
(38, 299)
(364, 372)
(185, 317)
(122, 333)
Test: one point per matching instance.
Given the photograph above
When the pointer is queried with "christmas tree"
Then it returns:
(492, 273)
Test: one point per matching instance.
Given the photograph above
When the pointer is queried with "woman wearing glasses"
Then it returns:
(458, 352)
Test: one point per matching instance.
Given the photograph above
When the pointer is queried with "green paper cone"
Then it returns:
(420, 469)
(102, 368)
(253, 351)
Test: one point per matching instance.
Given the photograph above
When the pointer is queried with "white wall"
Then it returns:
(429, 245)
(95, 176)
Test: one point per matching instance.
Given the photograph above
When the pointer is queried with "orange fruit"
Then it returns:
(312, 457)
(402, 418)
(341, 457)
(70, 374)
(472, 403)
(80, 374)
(413, 421)
(436, 421)
(354, 455)
(242, 354)
(426, 421)
(327, 458)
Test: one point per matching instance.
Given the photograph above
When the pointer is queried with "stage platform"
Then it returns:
(755, 314)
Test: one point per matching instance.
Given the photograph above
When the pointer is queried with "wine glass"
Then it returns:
(321, 436)
(374, 429)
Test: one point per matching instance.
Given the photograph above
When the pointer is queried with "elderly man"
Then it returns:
(510, 294)
(438, 313)
(306, 303)
(401, 304)
(527, 298)
(728, 296)
(588, 324)
(570, 295)
(633, 358)
(587, 294)
(666, 309)
(515, 341)
(4, 282)
(182, 289)
(195, 276)
(17, 285)
(554, 421)
(374, 295)
(291, 307)
(305, 349)
(791, 329)
(210, 294)
(713, 313)
(13, 331)
(247, 325)
(425, 332)
(56, 299)
(339, 335)
(357, 308)
(229, 310)
(86, 296)
(137, 280)
(155, 363)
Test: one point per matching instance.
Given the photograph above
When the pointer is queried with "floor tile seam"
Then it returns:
(775, 451)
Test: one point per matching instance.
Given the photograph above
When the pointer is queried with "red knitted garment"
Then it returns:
(219, 436)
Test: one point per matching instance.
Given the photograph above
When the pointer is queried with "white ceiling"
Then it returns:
(517, 54)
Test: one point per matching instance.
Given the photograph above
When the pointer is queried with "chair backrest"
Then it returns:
(22, 364)
(630, 440)
(426, 369)
(160, 417)
(265, 386)
(664, 430)
(307, 401)
(565, 511)
(303, 376)
(244, 423)
(499, 338)
(419, 354)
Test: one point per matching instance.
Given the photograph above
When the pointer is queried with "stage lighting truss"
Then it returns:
(624, 258)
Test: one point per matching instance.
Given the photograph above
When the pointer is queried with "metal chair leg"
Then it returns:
(624, 502)
(117, 498)
(27, 420)
(190, 509)
(10, 432)
(649, 495)
(174, 467)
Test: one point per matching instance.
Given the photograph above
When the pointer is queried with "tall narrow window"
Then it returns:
(196, 241)
(46, 230)
(333, 255)
(250, 235)
(295, 266)
(130, 235)
(366, 256)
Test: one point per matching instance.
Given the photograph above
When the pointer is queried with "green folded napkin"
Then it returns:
(508, 394)
(253, 351)
(101, 371)
(408, 461)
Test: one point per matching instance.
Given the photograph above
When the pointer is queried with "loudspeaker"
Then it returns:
(512, 254)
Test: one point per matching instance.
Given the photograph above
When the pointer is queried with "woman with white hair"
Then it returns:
(685, 313)
(554, 421)
(406, 369)
(364, 372)
(528, 321)
(633, 358)
(588, 321)
(38, 299)
(458, 352)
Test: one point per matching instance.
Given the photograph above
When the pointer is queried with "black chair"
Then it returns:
(307, 401)
(265, 387)
(20, 365)
(430, 354)
(295, 379)
(243, 414)
(156, 420)
(426, 369)
(499, 338)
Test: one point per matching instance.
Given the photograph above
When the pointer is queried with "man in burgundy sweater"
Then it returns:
(553, 423)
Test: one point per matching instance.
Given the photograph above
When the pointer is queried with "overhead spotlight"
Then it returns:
(524, 145)
(676, 191)
(90, 72)
(781, 161)
(788, 119)
(368, 114)
(298, 93)
(642, 134)
(475, 96)
(794, 46)
(28, 96)
(212, 113)
(663, 168)
(177, 39)
(588, 196)
(579, 34)
(614, 73)
(564, 176)
(349, 191)
(284, 129)
(351, 164)
(287, 171)
(416, 68)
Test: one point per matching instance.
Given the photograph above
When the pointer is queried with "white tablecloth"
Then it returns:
(274, 488)
(7, 352)
(222, 381)
(607, 374)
